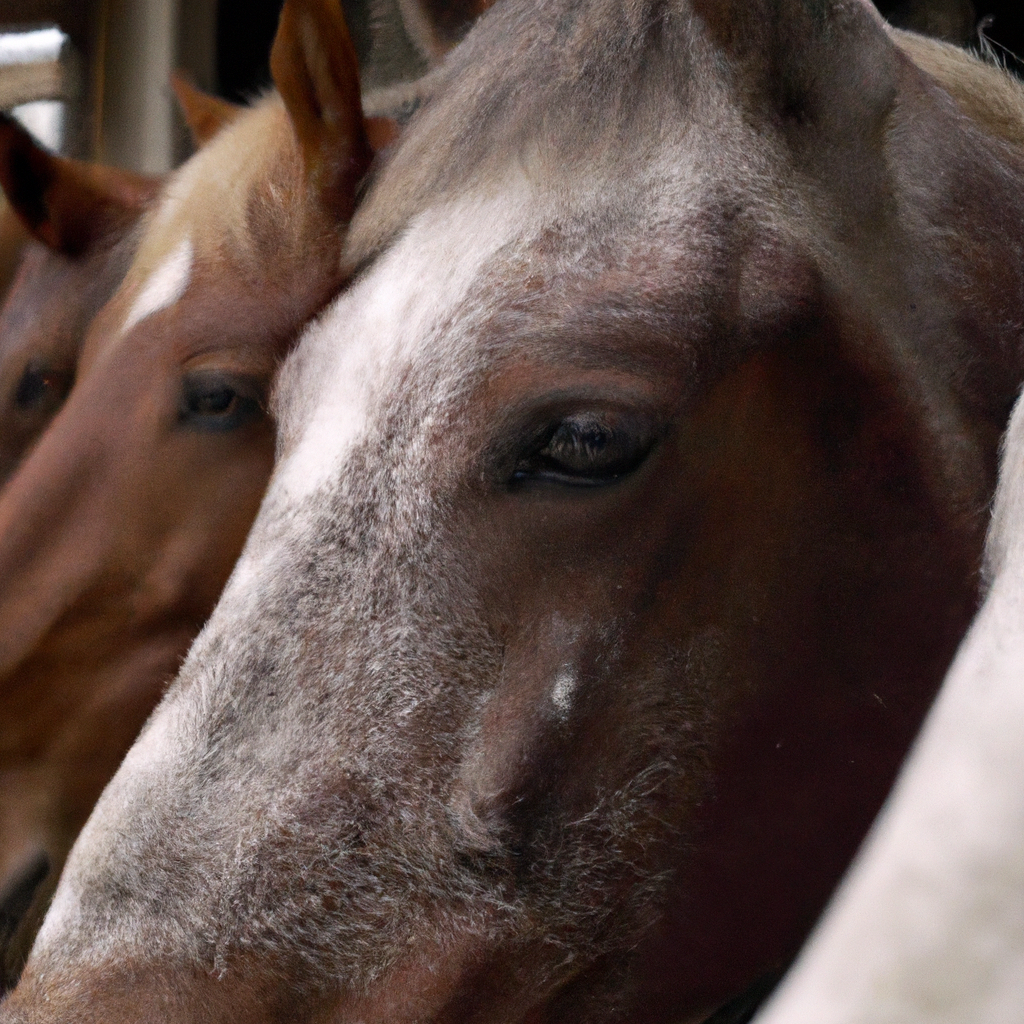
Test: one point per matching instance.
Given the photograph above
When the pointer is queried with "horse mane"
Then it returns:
(989, 95)
(239, 197)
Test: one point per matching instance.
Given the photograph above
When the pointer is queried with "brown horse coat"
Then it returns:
(928, 927)
(627, 514)
(13, 237)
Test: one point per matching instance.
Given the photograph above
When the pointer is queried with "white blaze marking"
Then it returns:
(150, 764)
(165, 286)
(360, 344)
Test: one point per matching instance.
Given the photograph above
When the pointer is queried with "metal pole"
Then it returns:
(140, 51)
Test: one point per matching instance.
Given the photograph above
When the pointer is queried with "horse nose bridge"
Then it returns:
(349, 665)
(174, 994)
(54, 533)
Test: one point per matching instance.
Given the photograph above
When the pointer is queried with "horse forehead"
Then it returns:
(203, 209)
(402, 313)
(414, 327)
(163, 266)
(164, 285)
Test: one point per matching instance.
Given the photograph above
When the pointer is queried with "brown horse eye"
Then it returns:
(588, 449)
(217, 401)
(41, 388)
(211, 403)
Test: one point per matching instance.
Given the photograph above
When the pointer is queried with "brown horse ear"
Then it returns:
(381, 132)
(204, 114)
(13, 237)
(315, 70)
(66, 204)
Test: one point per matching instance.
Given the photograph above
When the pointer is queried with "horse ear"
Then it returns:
(66, 204)
(381, 132)
(435, 26)
(829, 67)
(204, 114)
(316, 72)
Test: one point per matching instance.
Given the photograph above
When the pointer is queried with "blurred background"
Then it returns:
(97, 87)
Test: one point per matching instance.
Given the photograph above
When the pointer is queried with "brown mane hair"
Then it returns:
(989, 95)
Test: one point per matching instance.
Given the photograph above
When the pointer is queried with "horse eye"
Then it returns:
(212, 400)
(588, 449)
(42, 389)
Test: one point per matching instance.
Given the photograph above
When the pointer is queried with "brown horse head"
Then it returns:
(627, 512)
(79, 224)
(119, 529)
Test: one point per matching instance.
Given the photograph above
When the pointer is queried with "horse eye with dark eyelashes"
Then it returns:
(588, 449)
(42, 388)
(217, 401)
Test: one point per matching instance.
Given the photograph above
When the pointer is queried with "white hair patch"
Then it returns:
(360, 343)
(165, 286)
(562, 692)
